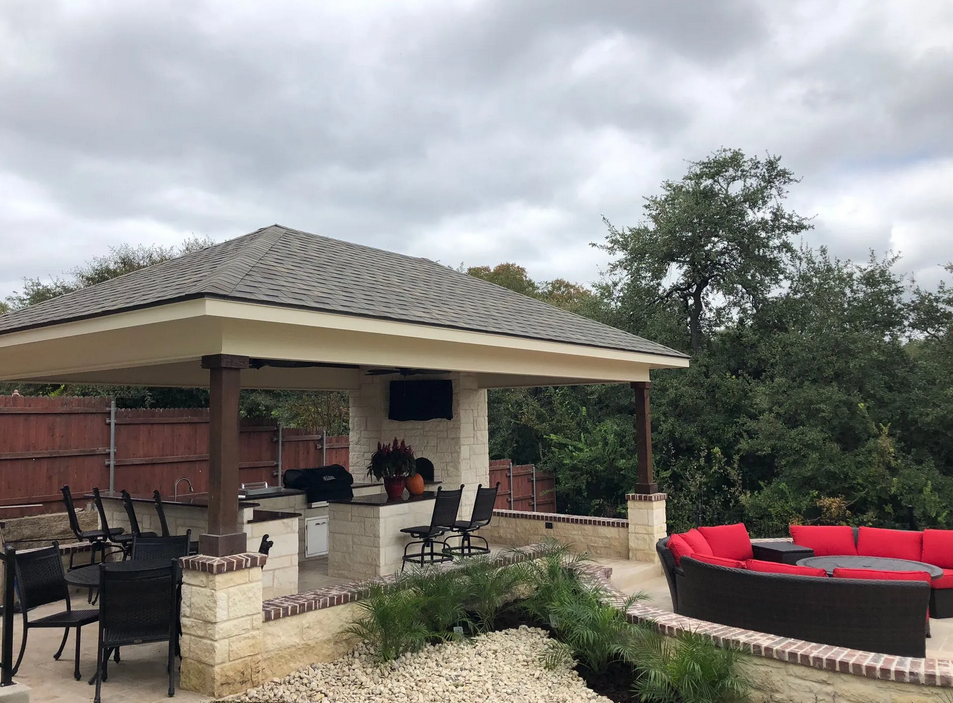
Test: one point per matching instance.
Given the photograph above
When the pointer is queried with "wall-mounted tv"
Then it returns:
(421, 400)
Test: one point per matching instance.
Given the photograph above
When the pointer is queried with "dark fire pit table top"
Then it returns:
(877, 563)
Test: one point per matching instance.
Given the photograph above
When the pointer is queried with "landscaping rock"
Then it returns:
(506, 665)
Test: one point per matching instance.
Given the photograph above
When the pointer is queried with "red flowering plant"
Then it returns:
(392, 460)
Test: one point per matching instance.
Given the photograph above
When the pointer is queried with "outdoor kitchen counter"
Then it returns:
(188, 500)
(364, 533)
(383, 500)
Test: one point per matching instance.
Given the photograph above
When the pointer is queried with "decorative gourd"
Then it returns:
(415, 484)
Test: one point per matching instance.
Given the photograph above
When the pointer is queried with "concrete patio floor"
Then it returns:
(140, 677)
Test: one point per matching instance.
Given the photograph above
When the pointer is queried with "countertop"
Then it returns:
(382, 500)
(189, 500)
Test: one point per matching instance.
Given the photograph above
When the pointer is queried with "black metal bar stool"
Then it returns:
(444, 516)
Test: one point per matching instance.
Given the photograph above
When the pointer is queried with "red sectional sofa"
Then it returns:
(730, 546)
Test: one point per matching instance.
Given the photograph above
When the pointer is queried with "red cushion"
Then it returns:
(679, 548)
(826, 541)
(945, 581)
(728, 541)
(773, 567)
(875, 575)
(893, 544)
(697, 542)
(938, 548)
(719, 561)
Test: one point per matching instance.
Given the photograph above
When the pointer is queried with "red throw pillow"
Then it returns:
(893, 544)
(679, 548)
(697, 541)
(945, 581)
(938, 548)
(719, 561)
(773, 567)
(826, 541)
(728, 541)
(875, 575)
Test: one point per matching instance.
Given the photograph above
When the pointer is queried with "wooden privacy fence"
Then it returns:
(522, 487)
(47, 442)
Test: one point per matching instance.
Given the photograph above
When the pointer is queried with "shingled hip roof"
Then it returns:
(286, 267)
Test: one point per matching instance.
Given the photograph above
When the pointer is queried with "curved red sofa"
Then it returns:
(730, 546)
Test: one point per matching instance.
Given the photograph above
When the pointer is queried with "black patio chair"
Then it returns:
(131, 514)
(444, 516)
(137, 606)
(482, 513)
(117, 536)
(152, 547)
(40, 580)
(160, 511)
(265, 546)
(164, 525)
(96, 538)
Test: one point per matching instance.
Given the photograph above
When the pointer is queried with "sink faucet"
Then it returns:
(175, 487)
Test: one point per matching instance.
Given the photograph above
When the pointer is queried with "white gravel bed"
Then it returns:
(499, 666)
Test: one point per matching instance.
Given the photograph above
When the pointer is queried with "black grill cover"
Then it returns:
(323, 483)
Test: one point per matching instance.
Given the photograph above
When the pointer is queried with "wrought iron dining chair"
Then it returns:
(96, 538)
(40, 580)
(482, 513)
(138, 606)
(443, 518)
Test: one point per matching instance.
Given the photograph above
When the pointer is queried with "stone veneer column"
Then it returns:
(459, 448)
(646, 525)
(221, 623)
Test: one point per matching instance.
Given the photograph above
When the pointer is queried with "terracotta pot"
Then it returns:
(415, 485)
(394, 485)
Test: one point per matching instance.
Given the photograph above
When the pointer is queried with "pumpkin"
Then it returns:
(415, 484)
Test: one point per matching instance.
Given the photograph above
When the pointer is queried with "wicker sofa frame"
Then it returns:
(874, 616)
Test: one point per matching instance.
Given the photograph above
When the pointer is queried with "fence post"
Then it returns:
(112, 446)
(6, 641)
(511, 484)
(324, 446)
(534, 488)
(280, 439)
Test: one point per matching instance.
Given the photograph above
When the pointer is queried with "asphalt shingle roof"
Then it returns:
(281, 266)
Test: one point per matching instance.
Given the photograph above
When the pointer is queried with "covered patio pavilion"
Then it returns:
(285, 309)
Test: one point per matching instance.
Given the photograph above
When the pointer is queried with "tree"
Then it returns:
(714, 244)
(120, 260)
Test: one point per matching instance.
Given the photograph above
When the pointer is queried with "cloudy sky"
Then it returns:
(465, 131)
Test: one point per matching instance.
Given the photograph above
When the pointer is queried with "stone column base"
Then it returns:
(221, 623)
(646, 525)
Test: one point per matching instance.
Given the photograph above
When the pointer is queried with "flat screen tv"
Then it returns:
(421, 400)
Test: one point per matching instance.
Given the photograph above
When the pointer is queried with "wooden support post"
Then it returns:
(643, 437)
(225, 535)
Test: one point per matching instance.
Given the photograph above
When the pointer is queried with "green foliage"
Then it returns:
(489, 589)
(688, 670)
(713, 245)
(392, 621)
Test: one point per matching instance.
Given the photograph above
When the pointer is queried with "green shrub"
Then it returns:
(689, 670)
(554, 576)
(443, 598)
(392, 622)
(489, 587)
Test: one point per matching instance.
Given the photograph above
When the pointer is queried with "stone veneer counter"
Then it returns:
(365, 533)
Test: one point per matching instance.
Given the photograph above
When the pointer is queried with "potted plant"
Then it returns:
(393, 463)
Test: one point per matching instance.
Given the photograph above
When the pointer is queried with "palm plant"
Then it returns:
(392, 622)
(489, 587)
(554, 575)
(689, 670)
(442, 594)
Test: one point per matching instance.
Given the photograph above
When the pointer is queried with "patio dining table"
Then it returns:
(88, 576)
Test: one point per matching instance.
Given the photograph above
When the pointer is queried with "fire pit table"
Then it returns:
(877, 563)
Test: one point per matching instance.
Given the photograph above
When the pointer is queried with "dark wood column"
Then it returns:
(225, 535)
(643, 437)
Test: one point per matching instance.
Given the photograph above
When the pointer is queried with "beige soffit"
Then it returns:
(181, 331)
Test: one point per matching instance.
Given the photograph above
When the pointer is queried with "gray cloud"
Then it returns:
(463, 131)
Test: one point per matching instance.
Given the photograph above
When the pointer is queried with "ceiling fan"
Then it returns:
(403, 372)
